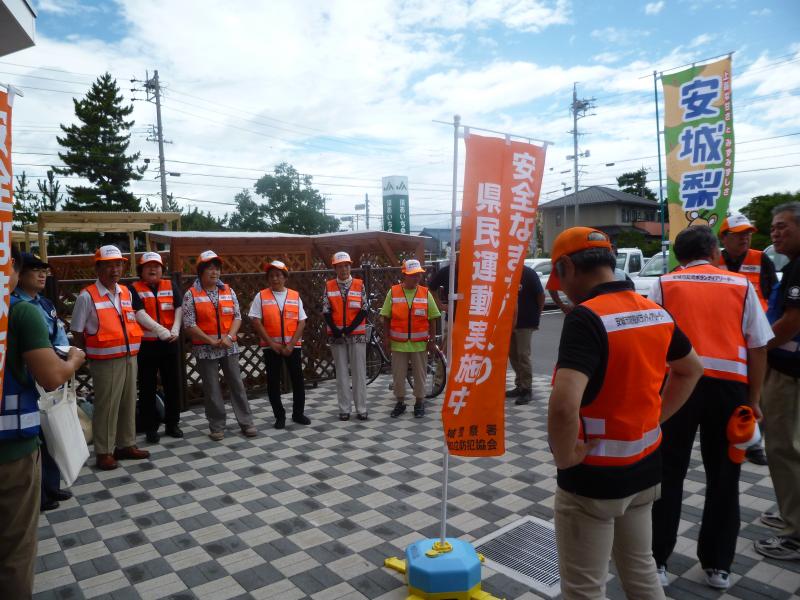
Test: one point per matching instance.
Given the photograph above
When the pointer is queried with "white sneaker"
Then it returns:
(718, 579)
(773, 519)
(662, 576)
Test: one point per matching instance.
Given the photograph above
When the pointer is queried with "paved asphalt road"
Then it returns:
(545, 342)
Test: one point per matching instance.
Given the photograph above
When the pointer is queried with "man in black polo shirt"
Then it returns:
(604, 415)
(781, 396)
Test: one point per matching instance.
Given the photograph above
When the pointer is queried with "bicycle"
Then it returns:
(378, 361)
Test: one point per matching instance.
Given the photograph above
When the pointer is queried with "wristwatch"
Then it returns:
(230, 337)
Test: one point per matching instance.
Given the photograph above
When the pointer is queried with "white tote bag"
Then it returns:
(62, 430)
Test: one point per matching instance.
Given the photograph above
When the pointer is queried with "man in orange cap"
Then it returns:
(344, 311)
(720, 313)
(158, 310)
(104, 325)
(603, 418)
(409, 316)
(735, 234)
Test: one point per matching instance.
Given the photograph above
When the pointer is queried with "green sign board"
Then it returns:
(395, 204)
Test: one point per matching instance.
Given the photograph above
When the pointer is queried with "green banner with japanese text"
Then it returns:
(698, 136)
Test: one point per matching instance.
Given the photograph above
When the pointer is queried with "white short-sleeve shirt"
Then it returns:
(280, 298)
(84, 315)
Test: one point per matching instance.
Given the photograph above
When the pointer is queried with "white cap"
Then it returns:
(108, 253)
(341, 257)
(208, 255)
(151, 257)
(276, 264)
(412, 266)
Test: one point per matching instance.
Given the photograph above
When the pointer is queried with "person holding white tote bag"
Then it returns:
(30, 358)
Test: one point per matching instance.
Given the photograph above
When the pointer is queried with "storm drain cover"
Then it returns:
(525, 551)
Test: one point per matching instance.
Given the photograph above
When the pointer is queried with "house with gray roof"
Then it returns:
(612, 211)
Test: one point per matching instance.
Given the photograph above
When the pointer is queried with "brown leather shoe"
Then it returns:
(106, 462)
(131, 452)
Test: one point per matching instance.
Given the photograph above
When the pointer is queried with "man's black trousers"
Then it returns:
(709, 407)
(154, 359)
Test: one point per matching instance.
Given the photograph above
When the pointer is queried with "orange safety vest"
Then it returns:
(280, 325)
(708, 305)
(409, 323)
(160, 306)
(750, 268)
(118, 334)
(625, 414)
(213, 321)
(342, 314)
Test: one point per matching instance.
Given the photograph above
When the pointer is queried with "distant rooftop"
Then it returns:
(597, 194)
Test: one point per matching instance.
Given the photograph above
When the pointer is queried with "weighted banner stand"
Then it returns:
(446, 568)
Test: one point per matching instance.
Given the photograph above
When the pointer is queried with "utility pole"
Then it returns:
(366, 202)
(152, 88)
(579, 108)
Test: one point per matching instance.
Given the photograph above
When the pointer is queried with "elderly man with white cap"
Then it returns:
(344, 311)
(158, 310)
(409, 314)
(735, 234)
(104, 325)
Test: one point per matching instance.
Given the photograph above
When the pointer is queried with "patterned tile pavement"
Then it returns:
(312, 512)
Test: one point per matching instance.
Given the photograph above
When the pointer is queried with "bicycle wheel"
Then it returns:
(435, 374)
(374, 362)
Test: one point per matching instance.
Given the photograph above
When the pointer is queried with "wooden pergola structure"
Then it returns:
(246, 252)
(102, 222)
(24, 237)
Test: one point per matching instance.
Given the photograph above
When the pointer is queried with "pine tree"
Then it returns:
(26, 204)
(96, 150)
(50, 195)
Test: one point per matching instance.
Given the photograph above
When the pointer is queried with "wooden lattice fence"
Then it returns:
(318, 362)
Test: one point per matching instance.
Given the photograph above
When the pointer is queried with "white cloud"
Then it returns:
(617, 36)
(653, 8)
(701, 40)
(349, 90)
(762, 12)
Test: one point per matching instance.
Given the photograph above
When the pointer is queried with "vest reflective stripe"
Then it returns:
(344, 311)
(19, 412)
(627, 448)
(280, 324)
(711, 316)
(409, 323)
(624, 416)
(213, 321)
(751, 268)
(160, 307)
(118, 332)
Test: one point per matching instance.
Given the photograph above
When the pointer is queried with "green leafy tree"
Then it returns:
(635, 183)
(759, 211)
(172, 205)
(292, 205)
(194, 220)
(635, 239)
(50, 195)
(26, 203)
(96, 149)
(249, 214)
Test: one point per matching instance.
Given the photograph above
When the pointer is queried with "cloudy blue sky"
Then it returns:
(348, 91)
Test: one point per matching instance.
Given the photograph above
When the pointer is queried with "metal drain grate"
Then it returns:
(525, 551)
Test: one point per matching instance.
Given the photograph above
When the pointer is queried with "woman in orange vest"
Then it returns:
(212, 319)
(278, 318)
(343, 309)
(158, 310)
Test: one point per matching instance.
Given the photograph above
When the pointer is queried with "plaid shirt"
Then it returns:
(205, 351)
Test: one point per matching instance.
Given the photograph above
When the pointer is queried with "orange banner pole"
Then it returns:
(6, 212)
(502, 182)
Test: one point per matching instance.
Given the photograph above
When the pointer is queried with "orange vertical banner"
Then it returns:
(502, 181)
(6, 211)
